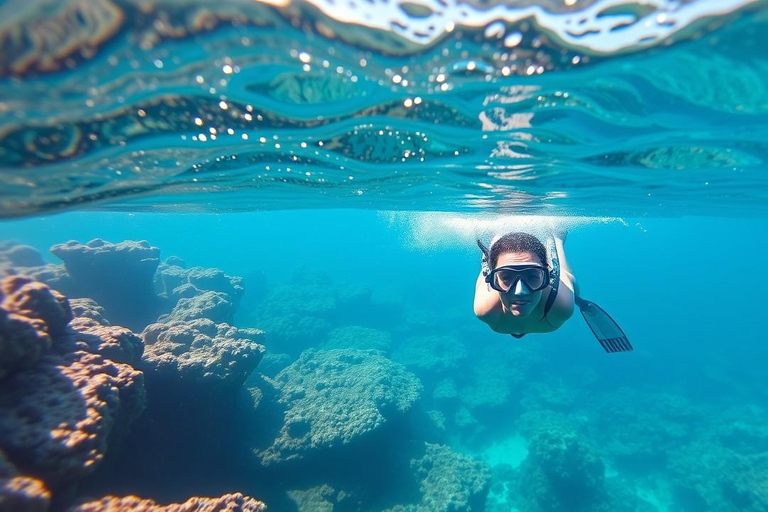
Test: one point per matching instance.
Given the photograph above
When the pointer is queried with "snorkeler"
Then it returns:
(524, 288)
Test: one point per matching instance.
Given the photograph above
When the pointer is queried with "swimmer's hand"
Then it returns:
(485, 269)
(558, 232)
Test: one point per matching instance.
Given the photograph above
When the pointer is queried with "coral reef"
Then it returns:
(652, 424)
(725, 467)
(322, 498)
(448, 481)
(59, 412)
(30, 315)
(495, 377)
(198, 359)
(706, 476)
(228, 503)
(340, 426)
(561, 473)
(336, 397)
(430, 355)
(353, 336)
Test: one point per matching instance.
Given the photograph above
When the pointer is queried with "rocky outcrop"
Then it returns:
(31, 314)
(15, 255)
(176, 282)
(60, 409)
(215, 306)
(24, 260)
(199, 358)
(113, 342)
(120, 277)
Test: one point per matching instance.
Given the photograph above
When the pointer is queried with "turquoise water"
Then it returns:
(351, 155)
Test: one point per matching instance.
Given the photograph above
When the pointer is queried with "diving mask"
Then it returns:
(505, 278)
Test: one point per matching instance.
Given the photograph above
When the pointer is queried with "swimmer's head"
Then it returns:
(519, 249)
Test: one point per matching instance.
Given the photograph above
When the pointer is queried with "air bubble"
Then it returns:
(513, 39)
(495, 30)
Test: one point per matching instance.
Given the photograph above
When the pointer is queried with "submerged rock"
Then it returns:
(337, 397)
(59, 410)
(118, 276)
(174, 281)
(89, 308)
(19, 492)
(22, 260)
(30, 315)
(17, 255)
(57, 417)
(199, 358)
(448, 481)
(215, 306)
(113, 342)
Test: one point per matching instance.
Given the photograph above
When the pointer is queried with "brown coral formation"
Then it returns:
(228, 503)
(110, 341)
(30, 313)
(21, 493)
(199, 358)
(60, 409)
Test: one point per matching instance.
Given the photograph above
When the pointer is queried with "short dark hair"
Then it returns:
(518, 242)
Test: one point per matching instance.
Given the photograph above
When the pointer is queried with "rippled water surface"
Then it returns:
(580, 106)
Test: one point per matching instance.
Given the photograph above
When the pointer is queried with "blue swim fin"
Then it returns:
(605, 329)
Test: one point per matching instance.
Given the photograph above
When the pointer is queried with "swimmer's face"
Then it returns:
(520, 301)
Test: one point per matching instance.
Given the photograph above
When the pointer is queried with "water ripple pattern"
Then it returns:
(580, 106)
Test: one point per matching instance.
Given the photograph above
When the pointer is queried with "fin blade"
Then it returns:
(605, 328)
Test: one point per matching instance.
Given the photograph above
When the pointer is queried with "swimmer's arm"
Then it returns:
(562, 309)
(488, 307)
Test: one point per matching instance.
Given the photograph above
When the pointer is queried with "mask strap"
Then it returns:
(554, 275)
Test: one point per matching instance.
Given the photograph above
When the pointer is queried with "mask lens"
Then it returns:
(534, 278)
(505, 278)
